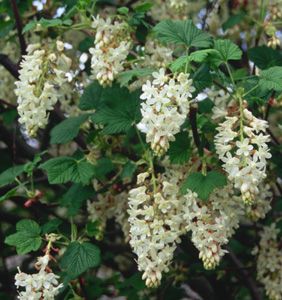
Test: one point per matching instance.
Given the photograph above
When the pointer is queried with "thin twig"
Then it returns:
(7, 103)
(19, 26)
(9, 65)
(166, 288)
(193, 122)
(270, 103)
(250, 283)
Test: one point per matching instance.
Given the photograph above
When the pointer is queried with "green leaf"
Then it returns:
(12, 192)
(5, 27)
(265, 57)
(182, 33)
(75, 196)
(92, 228)
(203, 185)
(105, 166)
(9, 116)
(205, 106)
(233, 20)
(123, 10)
(29, 167)
(128, 170)
(79, 257)
(128, 75)
(179, 151)
(46, 23)
(27, 237)
(178, 63)
(67, 130)
(136, 281)
(119, 110)
(271, 79)
(84, 45)
(145, 6)
(137, 19)
(201, 55)
(9, 175)
(226, 50)
(64, 169)
(239, 74)
(91, 97)
(202, 79)
(50, 226)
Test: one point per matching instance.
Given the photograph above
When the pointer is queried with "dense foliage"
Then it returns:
(140, 151)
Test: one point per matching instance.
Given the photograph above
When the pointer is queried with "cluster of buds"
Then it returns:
(212, 222)
(269, 262)
(178, 5)
(156, 222)
(275, 10)
(165, 109)
(112, 45)
(273, 40)
(43, 71)
(42, 285)
(241, 145)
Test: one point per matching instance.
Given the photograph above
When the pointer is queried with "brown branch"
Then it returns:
(9, 65)
(220, 85)
(164, 291)
(270, 103)
(250, 283)
(7, 103)
(19, 26)
(193, 122)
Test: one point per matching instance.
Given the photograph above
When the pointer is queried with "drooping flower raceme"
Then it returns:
(212, 223)
(165, 108)
(156, 222)
(241, 145)
(112, 45)
(43, 285)
(42, 71)
(269, 262)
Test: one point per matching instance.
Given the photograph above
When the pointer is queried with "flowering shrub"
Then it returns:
(140, 149)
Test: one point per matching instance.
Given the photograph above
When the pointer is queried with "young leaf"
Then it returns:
(179, 151)
(79, 257)
(119, 110)
(128, 75)
(67, 130)
(128, 169)
(145, 6)
(123, 10)
(75, 197)
(27, 237)
(91, 97)
(64, 169)
(178, 63)
(105, 166)
(202, 79)
(50, 226)
(271, 79)
(182, 33)
(226, 50)
(203, 185)
(9, 175)
(233, 20)
(92, 228)
(201, 55)
(265, 57)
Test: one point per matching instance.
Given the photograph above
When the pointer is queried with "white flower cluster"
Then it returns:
(156, 221)
(242, 147)
(212, 223)
(219, 98)
(155, 56)
(112, 45)
(42, 71)
(269, 262)
(165, 109)
(178, 4)
(39, 286)
(107, 206)
(261, 205)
